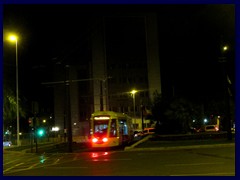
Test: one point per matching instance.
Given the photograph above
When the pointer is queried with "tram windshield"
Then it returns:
(100, 127)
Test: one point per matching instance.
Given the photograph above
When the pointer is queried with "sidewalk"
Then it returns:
(147, 144)
(28, 148)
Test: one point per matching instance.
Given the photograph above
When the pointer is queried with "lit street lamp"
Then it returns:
(13, 38)
(227, 118)
(225, 48)
(133, 92)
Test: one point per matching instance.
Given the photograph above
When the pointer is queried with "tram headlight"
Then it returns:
(94, 140)
(105, 139)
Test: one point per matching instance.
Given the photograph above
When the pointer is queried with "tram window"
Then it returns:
(113, 130)
(100, 127)
(123, 128)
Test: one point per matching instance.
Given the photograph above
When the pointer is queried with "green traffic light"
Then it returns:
(40, 132)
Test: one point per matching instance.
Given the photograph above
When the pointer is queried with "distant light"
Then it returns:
(225, 48)
(205, 120)
(133, 91)
(55, 128)
(44, 121)
(194, 120)
(74, 124)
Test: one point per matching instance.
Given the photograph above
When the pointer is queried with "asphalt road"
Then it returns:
(211, 161)
(173, 156)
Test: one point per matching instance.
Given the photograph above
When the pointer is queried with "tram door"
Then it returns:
(123, 130)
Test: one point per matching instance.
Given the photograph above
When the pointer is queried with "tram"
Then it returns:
(110, 129)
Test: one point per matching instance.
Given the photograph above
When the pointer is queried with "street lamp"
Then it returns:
(133, 92)
(227, 121)
(225, 48)
(14, 38)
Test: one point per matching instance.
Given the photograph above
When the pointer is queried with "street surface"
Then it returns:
(214, 161)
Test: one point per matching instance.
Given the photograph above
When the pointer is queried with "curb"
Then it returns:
(137, 143)
(179, 147)
(39, 147)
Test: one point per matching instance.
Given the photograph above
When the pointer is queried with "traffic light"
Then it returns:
(40, 132)
(30, 122)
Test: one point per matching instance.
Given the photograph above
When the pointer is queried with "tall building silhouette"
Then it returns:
(123, 54)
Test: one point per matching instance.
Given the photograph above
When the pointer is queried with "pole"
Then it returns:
(69, 131)
(142, 118)
(134, 109)
(226, 102)
(227, 118)
(18, 138)
(101, 95)
(35, 131)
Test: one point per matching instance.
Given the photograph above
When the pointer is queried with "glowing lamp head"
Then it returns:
(133, 91)
(225, 48)
(12, 38)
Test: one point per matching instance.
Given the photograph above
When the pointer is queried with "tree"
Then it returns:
(181, 112)
(158, 108)
(9, 107)
(174, 115)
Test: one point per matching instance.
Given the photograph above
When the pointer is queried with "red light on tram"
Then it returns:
(94, 140)
(105, 139)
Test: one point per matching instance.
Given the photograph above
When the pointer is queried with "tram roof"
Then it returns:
(111, 113)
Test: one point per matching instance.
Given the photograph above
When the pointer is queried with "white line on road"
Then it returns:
(207, 174)
(194, 164)
(69, 167)
(110, 160)
(56, 161)
(12, 167)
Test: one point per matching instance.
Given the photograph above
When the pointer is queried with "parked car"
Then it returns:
(138, 133)
(209, 128)
(149, 131)
(7, 143)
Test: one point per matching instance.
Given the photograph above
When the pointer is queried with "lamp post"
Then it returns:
(133, 92)
(14, 38)
(227, 119)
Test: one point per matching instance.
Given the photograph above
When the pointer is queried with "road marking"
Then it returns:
(194, 164)
(12, 167)
(110, 160)
(206, 174)
(10, 162)
(56, 161)
(30, 167)
(69, 167)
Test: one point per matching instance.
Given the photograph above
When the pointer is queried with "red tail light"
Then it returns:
(98, 140)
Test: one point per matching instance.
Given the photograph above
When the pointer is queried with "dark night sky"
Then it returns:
(189, 38)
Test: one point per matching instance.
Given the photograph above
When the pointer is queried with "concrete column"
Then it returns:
(152, 47)
(98, 64)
